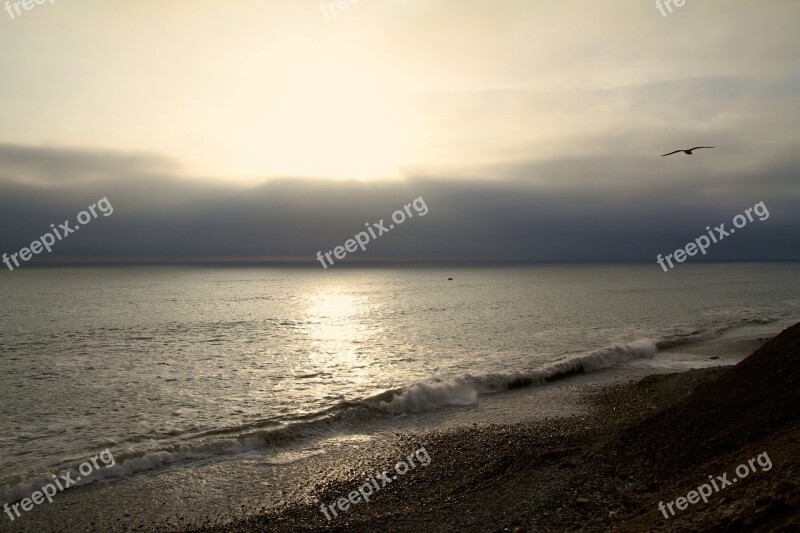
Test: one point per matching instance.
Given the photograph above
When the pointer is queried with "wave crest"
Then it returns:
(425, 396)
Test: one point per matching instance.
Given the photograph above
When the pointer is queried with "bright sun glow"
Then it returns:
(325, 115)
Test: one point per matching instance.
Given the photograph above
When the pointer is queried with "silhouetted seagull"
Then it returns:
(689, 151)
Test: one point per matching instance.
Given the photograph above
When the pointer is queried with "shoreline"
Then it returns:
(598, 471)
(470, 455)
(498, 477)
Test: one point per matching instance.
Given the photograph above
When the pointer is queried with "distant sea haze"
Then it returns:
(164, 365)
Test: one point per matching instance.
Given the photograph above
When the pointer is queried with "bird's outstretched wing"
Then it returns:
(698, 147)
(675, 152)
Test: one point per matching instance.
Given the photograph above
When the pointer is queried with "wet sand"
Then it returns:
(652, 440)
(555, 463)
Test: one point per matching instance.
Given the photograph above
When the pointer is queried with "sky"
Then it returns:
(265, 130)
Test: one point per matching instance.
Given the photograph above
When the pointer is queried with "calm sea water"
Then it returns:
(167, 365)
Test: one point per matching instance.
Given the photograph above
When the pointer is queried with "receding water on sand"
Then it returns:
(243, 484)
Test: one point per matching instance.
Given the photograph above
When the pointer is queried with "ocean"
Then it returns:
(168, 367)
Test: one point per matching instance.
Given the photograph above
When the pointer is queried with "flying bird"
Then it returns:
(689, 151)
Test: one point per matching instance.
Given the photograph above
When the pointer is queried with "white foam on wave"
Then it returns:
(123, 467)
(428, 396)
(133, 461)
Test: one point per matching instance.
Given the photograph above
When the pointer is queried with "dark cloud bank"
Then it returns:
(594, 209)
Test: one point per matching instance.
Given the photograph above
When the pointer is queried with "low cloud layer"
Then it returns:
(609, 208)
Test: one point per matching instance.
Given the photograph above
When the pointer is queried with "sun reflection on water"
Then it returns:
(336, 330)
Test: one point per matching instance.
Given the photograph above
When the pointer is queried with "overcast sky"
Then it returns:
(266, 130)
